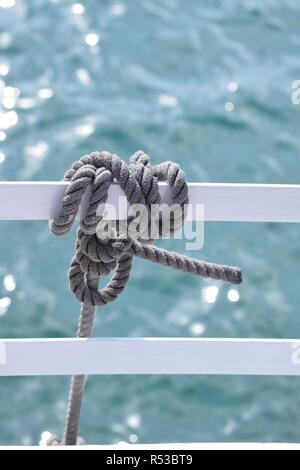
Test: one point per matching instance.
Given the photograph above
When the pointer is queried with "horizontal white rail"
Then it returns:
(174, 446)
(149, 356)
(222, 202)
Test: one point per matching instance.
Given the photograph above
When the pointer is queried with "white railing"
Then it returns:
(222, 202)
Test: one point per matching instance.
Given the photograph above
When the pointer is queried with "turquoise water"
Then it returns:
(207, 84)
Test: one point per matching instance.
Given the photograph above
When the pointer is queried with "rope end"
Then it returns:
(235, 276)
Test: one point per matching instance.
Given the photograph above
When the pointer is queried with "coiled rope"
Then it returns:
(98, 256)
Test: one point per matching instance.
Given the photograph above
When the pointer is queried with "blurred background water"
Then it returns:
(204, 83)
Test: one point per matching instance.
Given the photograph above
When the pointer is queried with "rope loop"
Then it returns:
(97, 255)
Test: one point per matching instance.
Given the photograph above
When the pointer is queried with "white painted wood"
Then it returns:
(150, 356)
(222, 202)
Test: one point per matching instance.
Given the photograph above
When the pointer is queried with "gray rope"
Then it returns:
(96, 257)
(85, 330)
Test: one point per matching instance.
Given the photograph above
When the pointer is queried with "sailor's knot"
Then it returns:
(98, 250)
(100, 256)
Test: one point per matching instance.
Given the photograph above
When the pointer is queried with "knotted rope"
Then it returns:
(98, 256)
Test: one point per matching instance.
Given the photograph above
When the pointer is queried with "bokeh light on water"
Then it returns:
(207, 84)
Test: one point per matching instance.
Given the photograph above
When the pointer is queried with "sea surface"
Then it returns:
(207, 84)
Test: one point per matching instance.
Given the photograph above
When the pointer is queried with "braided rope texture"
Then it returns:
(96, 257)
